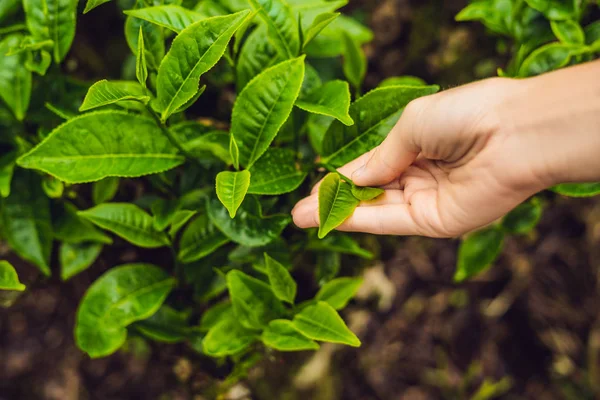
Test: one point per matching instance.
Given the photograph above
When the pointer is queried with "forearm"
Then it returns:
(557, 119)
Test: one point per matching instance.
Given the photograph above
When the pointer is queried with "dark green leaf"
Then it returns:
(172, 17)
(355, 62)
(524, 218)
(210, 145)
(75, 258)
(91, 4)
(256, 55)
(338, 292)
(71, 228)
(577, 189)
(283, 336)
(282, 25)
(254, 303)
(477, 252)
(54, 20)
(321, 322)
(340, 243)
(101, 144)
(263, 107)
(276, 173)
(374, 115)
(141, 69)
(154, 40)
(554, 9)
(330, 43)
(547, 58)
(9, 280)
(200, 239)
(232, 188)
(336, 203)
(215, 315)
(227, 338)
(127, 221)
(282, 283)
(164, 212)
(118, 298)
(179, 220)
(25, 220)
(167, 325)
(328, 266)
(568, 31)
(319, 23)
(193, 52)
(105, 190)
(332, 99)
(15, 79)
(249, 228)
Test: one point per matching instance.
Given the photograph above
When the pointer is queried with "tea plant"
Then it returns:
(543, 35)
(215, 196)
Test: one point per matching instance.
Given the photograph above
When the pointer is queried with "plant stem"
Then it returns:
(174, 141)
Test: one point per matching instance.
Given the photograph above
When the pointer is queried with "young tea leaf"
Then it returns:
(141, 69)
(263, 107)
(227, 338)
(193, 52)
(577, 189)
(374, 115)
(172, 17)
(256, 55)
(250, 228)
(73, 229)
(554, 9)
(355, 62)
(200, 239)
(366, 193)
(164, 212)
(321, 322)
(524, 218)
(179, 220)
(568, 31)
(338, 292)
(9, 280)
(331, 99)
(283, 336)
(276, 173)
(547, 58)
(477, 252)
(282, 283)
(127, 221)
(25, 220)
(103, 93)
(319, 23)
(102, 144)
(406, 80)
(154, 40)
(105, 190)
(254, 303)
(121, 296)
(282, 25)
(75, 258)
(232, 188)
(330, 41)
(15, 78)
(91, 4)
(336, 203)
(167, 325)
(339, 243)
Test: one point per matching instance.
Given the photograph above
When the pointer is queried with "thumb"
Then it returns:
(397, 152)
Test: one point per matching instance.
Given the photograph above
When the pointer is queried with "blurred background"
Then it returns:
(528, 328)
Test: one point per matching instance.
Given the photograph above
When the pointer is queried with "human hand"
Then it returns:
(454, 162)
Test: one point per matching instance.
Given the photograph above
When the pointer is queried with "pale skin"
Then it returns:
(460, 159)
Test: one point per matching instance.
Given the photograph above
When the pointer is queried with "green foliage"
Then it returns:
(336, 203)
(9, 280)
(478, 252)
(331, 99)
(232, 188)
(77, 257)
(338, 292)
(15, 78)
(282, 283)
(322, 322)
(103, 93)
(283, 336)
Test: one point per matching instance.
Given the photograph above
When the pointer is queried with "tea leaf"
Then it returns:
(355, 62)
(281, 335)
(141, 69)
(336, 203)
(211, 144)
(328, 266)
(103, 93)
(568, 31)
(547, 58)
(263, 107)
(577, 189)
(164, 212)
(9, 280)
(282, 25)
(7, 9)
(490, 13)
(121, 296)
(275, 173)
(154, 40)
(331, 99)
(127, 221)
(167, 325)
(6, 174)
(282, 283)
(105, 190)
(340, 243)
(39, 62)
(554, 9)
(374, 115)
(254, 303)
(75, 258)
(250, 228)
(91, 4)
(338, 292)
(227, 338)
(232, 188)
(25, 220)
(193, 52)
(330, 43)
(477, 252)
(366, 193)
(406, 80)
(172, 17)
(319, 23)
(15, 79)
(215, 315)
(102, 144)
(256, 55)
(179, 220)
(321, 322)
(200, 239)
(524, 218)
(54, 20)
(73, 229)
